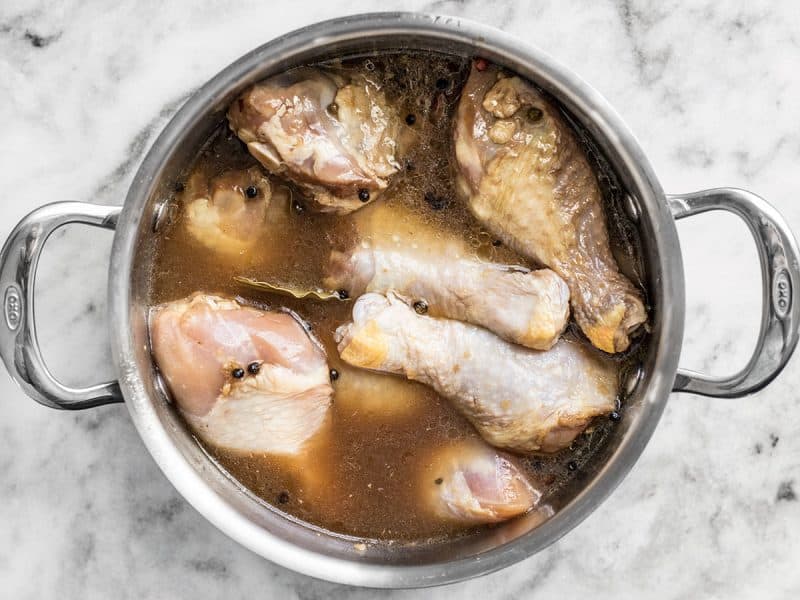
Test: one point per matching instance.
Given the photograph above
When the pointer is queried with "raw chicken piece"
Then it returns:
(525, 176)
(336, 138)
(221, 215)
(200, 341)
(473, 483)
(519, 399)
(379, 396)
(527, 307)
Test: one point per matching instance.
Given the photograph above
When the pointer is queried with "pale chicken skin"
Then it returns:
(337, 138)
(518, 399)
(525, 177)
(245, 379)
(227, 213)
(470, 482)
(527, 307)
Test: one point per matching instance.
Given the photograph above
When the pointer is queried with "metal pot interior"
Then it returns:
(299, 545)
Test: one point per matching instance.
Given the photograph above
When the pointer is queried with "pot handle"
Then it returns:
(19, 346)
(780, 278)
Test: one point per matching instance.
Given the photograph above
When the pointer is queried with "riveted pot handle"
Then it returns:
(19, 345)
(780, 277)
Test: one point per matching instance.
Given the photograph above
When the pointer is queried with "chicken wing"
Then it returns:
(336, 138)
(472, 483)
(527, 179)
(227, 213)
(527, 307)
(245, 379)
(518, 399)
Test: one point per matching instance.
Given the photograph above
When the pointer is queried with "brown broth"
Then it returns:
(368, 463)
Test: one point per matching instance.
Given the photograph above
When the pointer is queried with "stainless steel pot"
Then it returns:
(263, 529)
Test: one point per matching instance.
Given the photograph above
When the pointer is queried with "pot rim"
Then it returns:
(666, 346)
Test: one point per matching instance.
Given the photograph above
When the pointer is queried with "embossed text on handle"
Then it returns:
(782, 293)
(12, 307)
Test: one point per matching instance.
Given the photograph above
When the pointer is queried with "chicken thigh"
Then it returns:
(519, 399)
(472, 483)
(245, 379)
(336, 138)
(227, 213)
(527, 307)
(527, 179)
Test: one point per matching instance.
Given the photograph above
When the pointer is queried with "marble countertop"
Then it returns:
(710, 89)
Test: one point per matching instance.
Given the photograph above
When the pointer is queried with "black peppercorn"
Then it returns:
(334, 374)
(333, 108)
(572, 465)
(237, 373)
(254, 367)
(179, 187)
(497, 243)
(534, 114)
(438, 481)
(410, 166)
(615, 416)
(283, 497)
(411, 119)
(441, 83)
(343, 295)
(251, 191)
(297, 207)
(436, 202)
(363, 194)
(421, 307)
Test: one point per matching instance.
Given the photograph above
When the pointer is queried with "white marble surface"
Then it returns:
(711, 89)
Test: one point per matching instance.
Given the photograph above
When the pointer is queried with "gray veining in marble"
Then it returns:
(712, 91)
